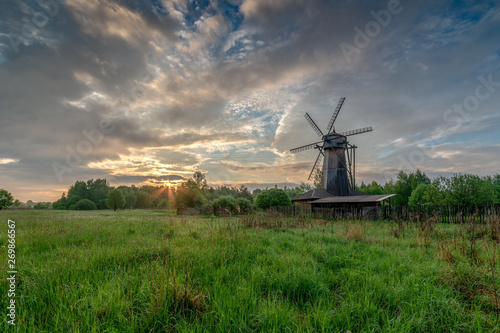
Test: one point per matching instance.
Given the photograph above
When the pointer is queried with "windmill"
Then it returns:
(338, 171)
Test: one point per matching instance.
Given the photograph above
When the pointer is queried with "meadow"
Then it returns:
(153, 271)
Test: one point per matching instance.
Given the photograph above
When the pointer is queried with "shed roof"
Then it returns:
(353, 199)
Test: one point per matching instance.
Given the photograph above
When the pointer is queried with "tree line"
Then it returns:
(99, 194)
(411, 188)
(417, 189)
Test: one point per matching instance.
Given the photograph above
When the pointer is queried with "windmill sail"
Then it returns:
(338, 172)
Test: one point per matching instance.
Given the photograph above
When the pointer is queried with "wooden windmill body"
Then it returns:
(337, 153)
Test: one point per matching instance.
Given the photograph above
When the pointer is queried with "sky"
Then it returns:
(148, 92)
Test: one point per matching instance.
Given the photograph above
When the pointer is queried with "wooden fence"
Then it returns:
(445, 214)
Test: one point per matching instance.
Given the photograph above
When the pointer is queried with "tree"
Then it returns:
(116, 199)
(373, 189)
(495, 180)
(272, 197)
(6, 199)
(405, 184)
(17, 203)
(61, 203)
(469, 190)
(130, 199)
(243, 192)
(85, 204)
(72, 200)
(200, 180)
(163, 203)
(97, 191)
(255, 193)
(42, 205)
(189, 195)
(79, 189)
(143, 199)
(418, 195)
(296, 191)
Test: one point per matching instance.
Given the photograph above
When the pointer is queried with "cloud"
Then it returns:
(222, 87)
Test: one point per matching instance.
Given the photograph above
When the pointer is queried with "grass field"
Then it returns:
(152, 271)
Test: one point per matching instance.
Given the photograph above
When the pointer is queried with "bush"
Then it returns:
(85, 204)
(224, 205)
(244, 206)
(272, 198)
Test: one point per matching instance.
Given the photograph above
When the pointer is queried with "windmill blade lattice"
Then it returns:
(313, 125)
(334, 116)
(357, 131)
(338, 172)
(306, 147)
(318, 160)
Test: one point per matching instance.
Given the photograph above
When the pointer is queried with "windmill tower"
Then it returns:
(337, 153)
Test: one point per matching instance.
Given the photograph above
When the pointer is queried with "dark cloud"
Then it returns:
(171, 75)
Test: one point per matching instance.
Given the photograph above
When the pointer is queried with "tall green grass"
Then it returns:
(151, 271)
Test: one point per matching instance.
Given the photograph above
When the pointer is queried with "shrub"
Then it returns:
(244, 206)
(271, 198)
(85, 204)
(224, 205)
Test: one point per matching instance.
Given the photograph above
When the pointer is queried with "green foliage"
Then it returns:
(224, 205)
(272, 197)
(243, 192)
(93, 190)
(255, 193)
(115, 199)
(469, 190)
(495, 181)
(143, 199)
(461, 189)
(97, 191)
(244, 206)
(85, 204)
(42, 205)
(296, 191)
(163, 203)
(200, 180)
(130, 199)
(418, 196)
(6, 199)
(404, 186)
(373, 189)
(189, 195)
(61, 203)
(72, 200)
(79, 189)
